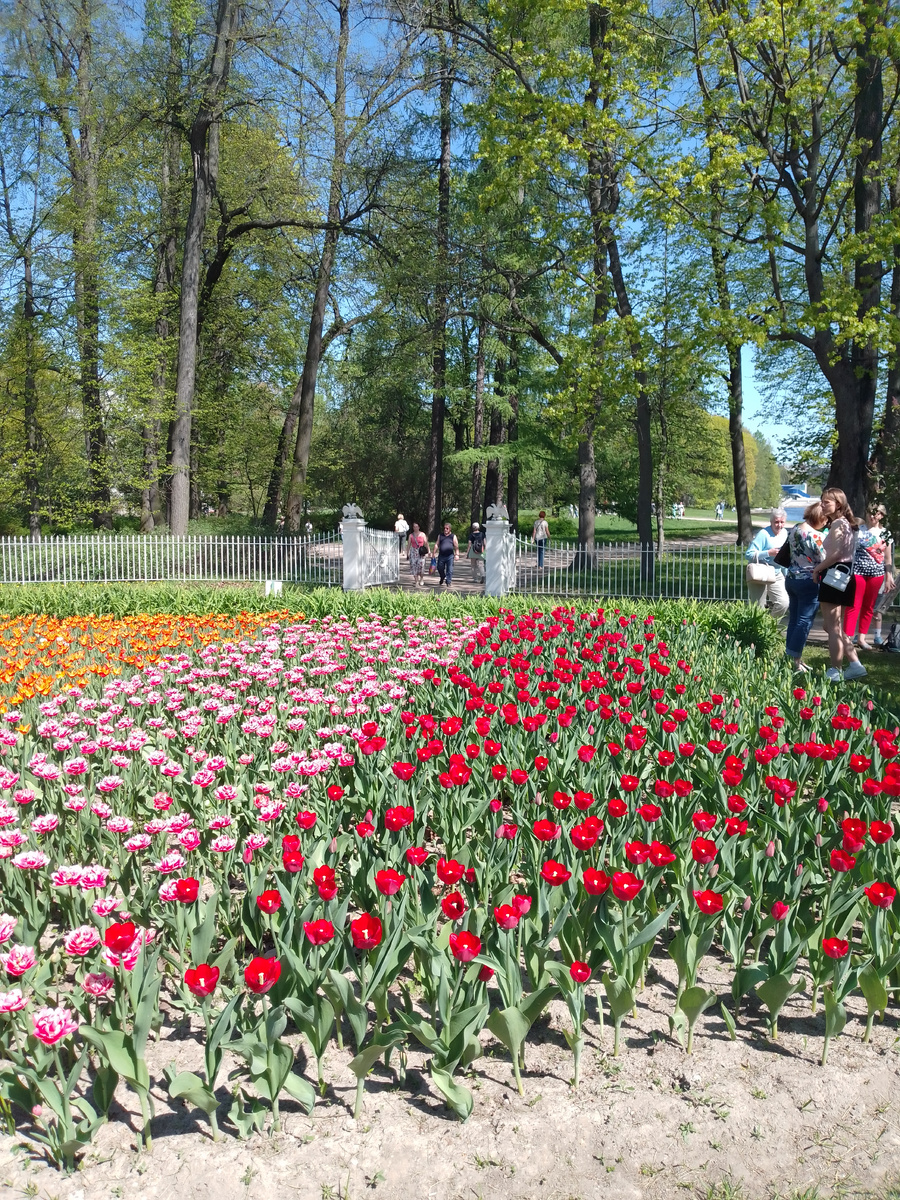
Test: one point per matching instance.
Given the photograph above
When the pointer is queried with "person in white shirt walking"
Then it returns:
(401, 528)
(765, 580)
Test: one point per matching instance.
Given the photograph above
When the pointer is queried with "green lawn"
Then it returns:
(883, 668)
(609, 528)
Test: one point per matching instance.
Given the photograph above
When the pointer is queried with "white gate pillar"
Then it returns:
(352, 528)
(499, 552)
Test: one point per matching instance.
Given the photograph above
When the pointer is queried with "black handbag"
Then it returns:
(783, 557)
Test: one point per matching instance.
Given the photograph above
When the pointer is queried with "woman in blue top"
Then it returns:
(763, 549)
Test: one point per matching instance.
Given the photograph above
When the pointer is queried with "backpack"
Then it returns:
(893, 639)
(477, 541)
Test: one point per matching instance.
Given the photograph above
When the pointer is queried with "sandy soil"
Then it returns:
(651, 1124)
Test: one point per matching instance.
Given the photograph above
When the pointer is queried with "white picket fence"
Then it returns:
(684, 569)
(317, 559)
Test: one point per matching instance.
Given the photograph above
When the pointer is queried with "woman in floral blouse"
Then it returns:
(805, 541)
(868, 567)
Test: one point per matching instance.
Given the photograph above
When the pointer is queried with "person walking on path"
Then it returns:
(541, 535)
(840, 551)
(765, 580)
(447, 550)
(476, 552)
(401, 528)
(805, 543)
(418, 551)
(869, 575)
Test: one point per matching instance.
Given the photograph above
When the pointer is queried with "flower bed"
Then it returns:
(408, 832)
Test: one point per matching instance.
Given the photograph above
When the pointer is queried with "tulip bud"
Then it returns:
(713, 870)
(799, 869)
(748, 904)
(770, 850)
(822, 804)
(819, 840)
(36, 1111)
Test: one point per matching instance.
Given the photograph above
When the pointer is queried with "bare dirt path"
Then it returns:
(748, 1118)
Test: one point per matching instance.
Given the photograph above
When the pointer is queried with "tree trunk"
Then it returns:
(643, 415)
(476, 508)
(512, 434)
(854, 395)
(32, 472)
(31, 476)
(587, 496)
(441, 305)
(304, 399)
(493, 486)
(152, 500)
(735, 377)
(204, 142)
(886, 455)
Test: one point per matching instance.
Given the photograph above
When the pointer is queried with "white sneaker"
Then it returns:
(855, 671)
(833, 675)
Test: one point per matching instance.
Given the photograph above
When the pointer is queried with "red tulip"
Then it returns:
(661, 855)
(261, 974)
(881, 831)
(399, 817)
(485, 974)
(269, 902)
(555, 873)
(703, 821)
(318, 932)
(306, 819)
(464, 946)
(507, 831)
(546, 831)
(835, 947)
(586, 753)
(389, 881)
(366, 932)
(201, 981)
(325, 880)
(580, 972)
(521, 904)
(334, 793)
(595, 882)
(736, 804)
(841, 861)
(449, 871)
(616, 808)
(881, 894)
(561, 800)
(735, 827)
(629, 783)
(416, 856)
(780, 910)
(636, 852)
(404, 770)
(708, 902)
(583, 800)
(365, 829)
(292, 861)
(626, 886)
(120, 936)
(506, 916)
(186, 889)
(703, 850)
(453, 906)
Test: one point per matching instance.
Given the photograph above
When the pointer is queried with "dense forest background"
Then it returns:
(256, 263)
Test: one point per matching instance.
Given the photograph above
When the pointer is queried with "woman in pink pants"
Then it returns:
(868, 567)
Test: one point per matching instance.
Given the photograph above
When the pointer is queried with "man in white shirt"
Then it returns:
(761, 553)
